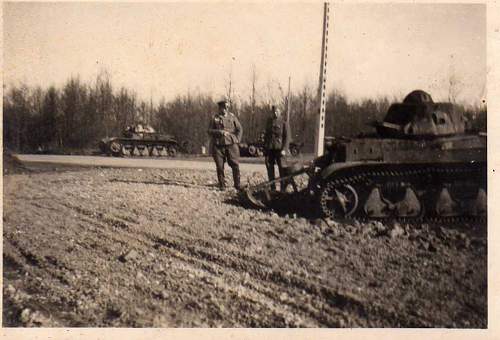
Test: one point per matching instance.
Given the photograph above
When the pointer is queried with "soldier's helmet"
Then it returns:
(223, 102)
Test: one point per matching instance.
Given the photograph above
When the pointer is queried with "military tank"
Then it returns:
(421, 162)
(256, 149)
(140, 141)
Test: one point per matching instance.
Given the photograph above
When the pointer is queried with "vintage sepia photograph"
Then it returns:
(245, 165)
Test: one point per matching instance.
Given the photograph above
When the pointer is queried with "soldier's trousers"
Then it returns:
(274, 157)
(231, 154)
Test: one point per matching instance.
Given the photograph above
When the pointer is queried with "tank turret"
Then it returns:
(418, 116)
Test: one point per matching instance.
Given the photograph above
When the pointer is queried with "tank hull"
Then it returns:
(442, 149)
(145, 146)
(437, 178)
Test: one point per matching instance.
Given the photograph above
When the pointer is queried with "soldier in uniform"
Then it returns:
(226, 132)
(276, 142)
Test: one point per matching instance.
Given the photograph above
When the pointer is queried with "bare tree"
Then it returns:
(253, 104)
(455, 85)
(104, 93)
(78, 114)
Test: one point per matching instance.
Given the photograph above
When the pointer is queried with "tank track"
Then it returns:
(147, 150)
(124, 148)
(409, 193)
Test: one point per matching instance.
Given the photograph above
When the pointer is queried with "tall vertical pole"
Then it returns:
(253, 118)
(230, 85)
(320, 121)
(288, 105)
(150, 120)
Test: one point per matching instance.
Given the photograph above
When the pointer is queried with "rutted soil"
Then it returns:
(164, 248)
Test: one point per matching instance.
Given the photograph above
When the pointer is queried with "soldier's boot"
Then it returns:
(283, 173)
(236, 178)
(270, 175)
(222, 180)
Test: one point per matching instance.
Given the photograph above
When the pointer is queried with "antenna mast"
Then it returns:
(320, 121)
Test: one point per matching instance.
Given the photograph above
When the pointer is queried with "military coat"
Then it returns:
(277, 136)
(228, 123)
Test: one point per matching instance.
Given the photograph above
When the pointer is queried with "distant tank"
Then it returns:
(140, 141)
(421, 162)
(256, 149)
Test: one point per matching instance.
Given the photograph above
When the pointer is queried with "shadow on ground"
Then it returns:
(283, 204)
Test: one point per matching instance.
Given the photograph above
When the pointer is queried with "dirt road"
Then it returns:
(164, 248)
(198, 163)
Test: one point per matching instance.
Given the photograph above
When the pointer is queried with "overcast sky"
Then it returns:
(163, 50)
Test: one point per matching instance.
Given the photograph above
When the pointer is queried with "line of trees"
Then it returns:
(77, 115)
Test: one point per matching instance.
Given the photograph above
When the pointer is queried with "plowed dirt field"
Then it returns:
(164, 248)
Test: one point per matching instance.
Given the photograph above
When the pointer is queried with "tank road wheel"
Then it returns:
(143, 150)
(409, 206)
(162, 151)
(135, 151)
(338, 200)
(445, 205)
(115, 148)
(153, 152)
(480, 204)
(127, 150)
(397, 202)
(375, 206)
(172, 151)
(252, 150)
(462, 201)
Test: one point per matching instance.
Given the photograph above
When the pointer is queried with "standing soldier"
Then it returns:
(226, 131)
(276, 142)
